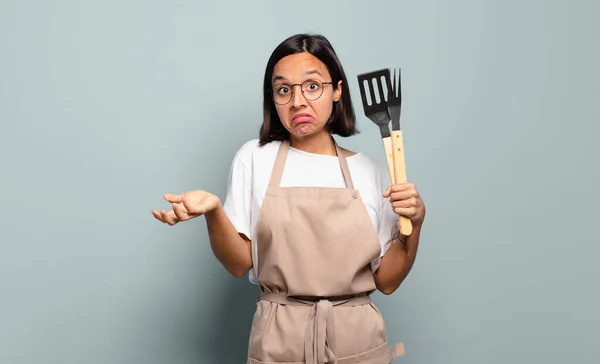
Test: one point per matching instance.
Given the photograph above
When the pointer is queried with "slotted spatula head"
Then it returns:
(374, 84)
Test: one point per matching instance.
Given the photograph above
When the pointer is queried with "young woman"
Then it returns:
(314, 225)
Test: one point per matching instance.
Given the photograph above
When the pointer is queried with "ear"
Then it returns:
(337, 93)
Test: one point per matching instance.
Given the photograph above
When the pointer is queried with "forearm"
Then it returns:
(397, 262)
(229, 247)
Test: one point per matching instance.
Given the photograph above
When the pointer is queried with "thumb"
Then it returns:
(172, 198)
(387, 192)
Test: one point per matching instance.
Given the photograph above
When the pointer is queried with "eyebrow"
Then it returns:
(309, 72)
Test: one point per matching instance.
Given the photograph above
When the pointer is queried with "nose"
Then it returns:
(298, 99)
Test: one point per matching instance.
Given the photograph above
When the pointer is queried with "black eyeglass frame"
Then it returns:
(300, 84)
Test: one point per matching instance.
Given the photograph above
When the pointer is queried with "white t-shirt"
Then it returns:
(251, 172)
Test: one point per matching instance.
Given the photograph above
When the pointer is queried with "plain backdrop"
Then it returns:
(107, 105)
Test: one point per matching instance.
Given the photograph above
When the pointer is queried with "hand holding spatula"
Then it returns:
(381, 112)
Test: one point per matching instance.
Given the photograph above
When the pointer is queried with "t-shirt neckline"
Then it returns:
(320, 155)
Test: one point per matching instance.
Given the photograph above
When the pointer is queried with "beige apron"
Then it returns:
(314, 249)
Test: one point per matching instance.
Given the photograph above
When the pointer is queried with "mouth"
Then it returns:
(302, 118)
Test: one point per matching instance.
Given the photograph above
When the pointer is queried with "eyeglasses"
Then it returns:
(311, 89)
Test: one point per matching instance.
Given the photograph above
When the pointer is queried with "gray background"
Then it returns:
(107, 105)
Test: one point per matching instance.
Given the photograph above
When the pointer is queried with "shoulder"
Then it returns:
(366, 163)
(252, 149)
(251, 154)
(369, 171)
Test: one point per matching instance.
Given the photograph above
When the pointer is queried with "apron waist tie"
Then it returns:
(319, 339)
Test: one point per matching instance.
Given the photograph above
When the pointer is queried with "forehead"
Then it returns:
(297, 67)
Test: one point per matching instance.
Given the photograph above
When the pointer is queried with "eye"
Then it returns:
(282, 90)
(313, 86)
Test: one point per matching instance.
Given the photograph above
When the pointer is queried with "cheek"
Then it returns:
(282, 112)
(323, 110)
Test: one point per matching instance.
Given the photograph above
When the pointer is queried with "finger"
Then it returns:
(411, 202)
(387, 192)
(399, 187)
(180, 211)
(189, 205)
(169, 217)
(172, 198)
(406, 212)
(403, 195)
(157, 215)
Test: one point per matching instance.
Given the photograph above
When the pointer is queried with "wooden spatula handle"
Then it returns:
(389, 158)
(400, 174)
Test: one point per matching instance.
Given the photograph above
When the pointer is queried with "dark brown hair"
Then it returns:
(342, 120)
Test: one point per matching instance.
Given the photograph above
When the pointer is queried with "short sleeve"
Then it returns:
(387, 219)
(238, 201)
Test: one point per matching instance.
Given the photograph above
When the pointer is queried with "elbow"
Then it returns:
(386, 286)
(387, 290)
(239, 270)
(238, 273)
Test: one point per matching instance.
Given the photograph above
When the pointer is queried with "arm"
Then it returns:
(232, 249)
(397, 261)
(228, 225)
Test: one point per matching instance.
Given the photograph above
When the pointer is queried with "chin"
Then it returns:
(305, 129)
(308, 132)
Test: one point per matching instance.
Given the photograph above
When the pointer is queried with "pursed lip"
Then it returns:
(302, 118)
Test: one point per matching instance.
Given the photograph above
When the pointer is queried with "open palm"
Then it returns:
(186, 206)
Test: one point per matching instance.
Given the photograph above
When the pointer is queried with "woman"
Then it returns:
(315, 225)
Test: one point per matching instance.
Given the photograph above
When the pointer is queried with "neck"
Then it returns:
(321, 143)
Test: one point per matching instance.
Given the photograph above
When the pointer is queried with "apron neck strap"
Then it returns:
(344, 166)
(280, 164)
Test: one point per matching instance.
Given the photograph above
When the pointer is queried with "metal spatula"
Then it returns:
(372, 84)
